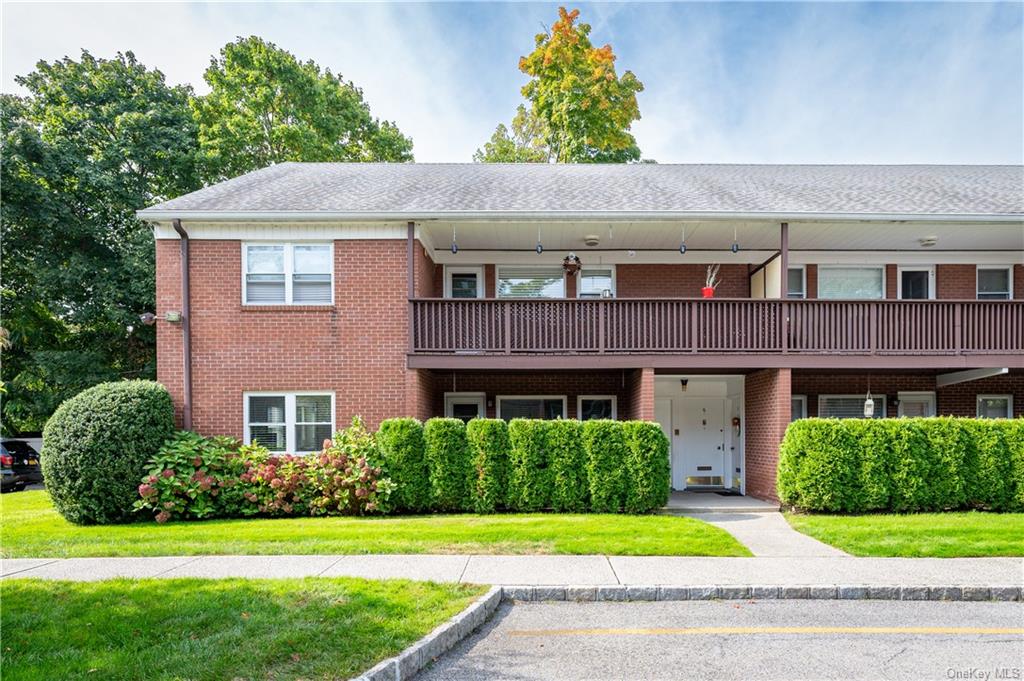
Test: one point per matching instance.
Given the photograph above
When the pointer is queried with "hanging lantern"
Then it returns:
(571, 264)
(682, 241)
(735, 241)
(869, 406)
(455, 246)
(540, 247)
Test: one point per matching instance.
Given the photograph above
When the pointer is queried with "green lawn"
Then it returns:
(936, 535)
(311, 628)
(31, 528)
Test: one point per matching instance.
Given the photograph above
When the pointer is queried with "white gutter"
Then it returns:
(573, 216)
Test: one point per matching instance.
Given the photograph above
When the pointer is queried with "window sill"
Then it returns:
(288, 308)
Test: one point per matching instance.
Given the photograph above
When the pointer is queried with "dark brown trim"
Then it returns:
(784, 254)
(712, 361)
(186, 328)
(410, 250)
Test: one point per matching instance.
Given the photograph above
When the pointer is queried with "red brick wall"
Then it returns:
(568, 383)
(426, 278)
(678, 281)
(419, 394)
(767, 407)
(954, 400)
(641, 392)
(355, 348)
(955, 282)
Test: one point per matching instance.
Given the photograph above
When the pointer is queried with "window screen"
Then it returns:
(464, 285)
(594, 282)
(596, 408)
(850, 282)
(830, 406)
(267, 421)
(531, 282)
(264, 274)
(993, 284)
(795, 283)
(311, 278)
(531, 408)
(312, 421)
(994, 407)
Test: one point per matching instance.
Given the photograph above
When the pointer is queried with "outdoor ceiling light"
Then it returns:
(682, 241)
(540, 247)
(735, 242)
(928, 241)
(591, 240)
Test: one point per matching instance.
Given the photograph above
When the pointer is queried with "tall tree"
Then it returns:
(265, 106)
(583, 109)
(526, 143)
(95, 140)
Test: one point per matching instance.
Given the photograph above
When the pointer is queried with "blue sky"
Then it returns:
(725, 82)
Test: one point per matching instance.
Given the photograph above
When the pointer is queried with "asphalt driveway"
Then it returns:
(742, 640)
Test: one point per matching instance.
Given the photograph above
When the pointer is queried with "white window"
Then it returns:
(596, 407)
(289, 422)
(797, 407)
(995, 406)
(994, 283)
(531, 407)
(915, 283)
(596, 282)
(531, 282)
(463, 282)
(287, 274)
(848, 406)
(916, 404)
(796, 282)
(866, 283)
(465, 406)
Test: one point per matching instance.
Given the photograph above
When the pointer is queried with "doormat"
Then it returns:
(728, 493)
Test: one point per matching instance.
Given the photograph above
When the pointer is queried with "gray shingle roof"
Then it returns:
(425, 190)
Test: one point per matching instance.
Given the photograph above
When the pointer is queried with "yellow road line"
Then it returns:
(703, 631)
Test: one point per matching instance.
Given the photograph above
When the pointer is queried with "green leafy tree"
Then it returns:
(94, 140)
(580, 109)
(265, 107)
(526, 143)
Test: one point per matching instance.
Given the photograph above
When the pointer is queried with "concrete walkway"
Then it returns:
(768, 534)
(550, 570)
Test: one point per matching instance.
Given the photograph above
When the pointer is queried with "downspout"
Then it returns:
(186, 330)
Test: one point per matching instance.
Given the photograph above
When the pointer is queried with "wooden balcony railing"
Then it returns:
(717, 326)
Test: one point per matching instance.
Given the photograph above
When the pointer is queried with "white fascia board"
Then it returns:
(558, 216)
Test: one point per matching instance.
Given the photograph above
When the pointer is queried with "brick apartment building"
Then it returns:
(316, 292)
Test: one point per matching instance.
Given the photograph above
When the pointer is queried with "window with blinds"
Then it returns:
(531, 282)
(848, 406)
(866, 283)
(596, 283)
(289, 422)
(284, 274)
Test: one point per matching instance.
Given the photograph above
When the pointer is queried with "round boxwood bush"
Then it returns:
(96, 445)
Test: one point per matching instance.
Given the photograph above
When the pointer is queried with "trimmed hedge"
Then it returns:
(919, 464)
(450, 464)
(606, 450)
(403, 452)
(96, 445)
(489, 442)
(529, 477)
(647, 467)
(570, 490)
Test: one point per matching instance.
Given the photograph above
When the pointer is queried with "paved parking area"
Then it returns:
(742, 640)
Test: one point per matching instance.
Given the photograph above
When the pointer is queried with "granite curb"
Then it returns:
(640, 593)
(407, 663)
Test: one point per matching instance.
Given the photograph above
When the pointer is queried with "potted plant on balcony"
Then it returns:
(711, 282)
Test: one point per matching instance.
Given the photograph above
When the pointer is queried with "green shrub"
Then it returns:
(450, 462)
(920, 464)
(96, 445)
(606, 456)
(529, 476)
(405, 463)
(647, 467)
(818, 466)
(489, 442)
(570, 490)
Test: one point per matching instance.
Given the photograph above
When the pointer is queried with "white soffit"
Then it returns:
(952, 378)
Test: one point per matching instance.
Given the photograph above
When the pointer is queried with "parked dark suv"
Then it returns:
(19, 465)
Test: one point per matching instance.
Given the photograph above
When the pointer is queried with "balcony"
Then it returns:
(530, 333)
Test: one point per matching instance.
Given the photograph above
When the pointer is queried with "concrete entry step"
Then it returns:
(687, 503)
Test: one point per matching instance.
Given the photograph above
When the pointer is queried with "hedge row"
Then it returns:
(920, 464)
(526, 465)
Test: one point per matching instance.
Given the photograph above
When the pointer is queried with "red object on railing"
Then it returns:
(724, 325)
(708, 292)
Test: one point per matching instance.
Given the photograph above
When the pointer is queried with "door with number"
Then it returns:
(702, 441)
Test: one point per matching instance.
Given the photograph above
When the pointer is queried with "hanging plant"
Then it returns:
(571, 264)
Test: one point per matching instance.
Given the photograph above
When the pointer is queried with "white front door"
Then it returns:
(701, 441)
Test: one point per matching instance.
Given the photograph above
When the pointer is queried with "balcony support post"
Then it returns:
(410, 250)
(784, 260)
